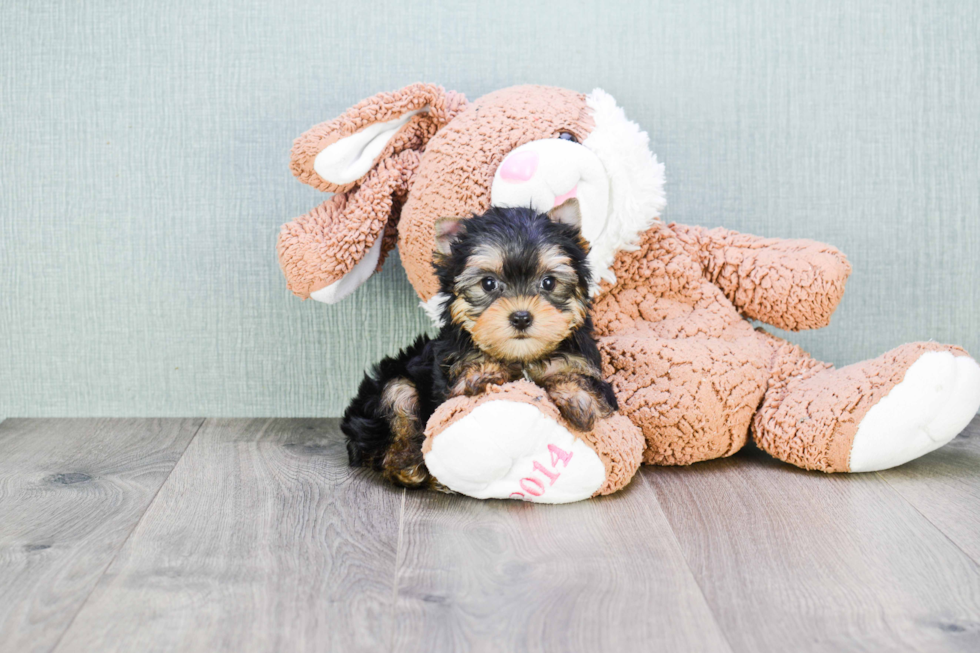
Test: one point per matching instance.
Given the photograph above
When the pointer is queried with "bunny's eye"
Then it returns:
(567, 136)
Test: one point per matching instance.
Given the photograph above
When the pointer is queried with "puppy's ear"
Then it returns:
(568, 213)
(336, 155)
(447, 231)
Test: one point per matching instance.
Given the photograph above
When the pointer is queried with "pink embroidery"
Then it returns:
(553, 476)
(533, 491)
(535, 487)
(557, 453)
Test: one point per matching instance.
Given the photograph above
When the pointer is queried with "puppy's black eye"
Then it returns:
(548, 284)
(489, 284)
(567, 136)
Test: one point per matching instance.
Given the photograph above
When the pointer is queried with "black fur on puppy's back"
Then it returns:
(367, 429)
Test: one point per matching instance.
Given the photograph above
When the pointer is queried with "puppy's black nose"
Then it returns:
(521, 320)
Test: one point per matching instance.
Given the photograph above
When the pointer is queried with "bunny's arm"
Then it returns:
(790, 284)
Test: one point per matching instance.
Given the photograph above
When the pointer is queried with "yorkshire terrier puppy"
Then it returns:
(518, 307)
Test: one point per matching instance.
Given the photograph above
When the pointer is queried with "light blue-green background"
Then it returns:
(143, 173)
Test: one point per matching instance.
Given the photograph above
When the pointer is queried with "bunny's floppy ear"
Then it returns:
(367, 156)
(335, 155)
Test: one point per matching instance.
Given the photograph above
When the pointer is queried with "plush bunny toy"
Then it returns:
(692, 376)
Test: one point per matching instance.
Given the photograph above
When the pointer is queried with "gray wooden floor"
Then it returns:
(253, 535)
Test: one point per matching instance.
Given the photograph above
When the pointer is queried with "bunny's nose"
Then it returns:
(521, 320)
(519, 166)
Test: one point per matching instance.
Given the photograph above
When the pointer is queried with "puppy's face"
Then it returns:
(518, 281)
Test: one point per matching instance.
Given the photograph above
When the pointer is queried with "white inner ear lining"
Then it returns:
(351, 158)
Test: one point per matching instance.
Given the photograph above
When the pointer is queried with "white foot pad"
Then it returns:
(938, 397)
(510, 450)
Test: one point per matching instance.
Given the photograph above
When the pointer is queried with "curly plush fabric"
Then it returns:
(461, 159)
(689, 370)
(820, 407)
(442, 106)
(695, 376)
(790, 284)
(322, 246)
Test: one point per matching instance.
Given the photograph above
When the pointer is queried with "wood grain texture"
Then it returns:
(945, 487)
(802, 561)
(71, 492)
(262, 539)
(602, 575)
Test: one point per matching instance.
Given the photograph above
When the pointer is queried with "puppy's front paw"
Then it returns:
(476, 385)
(577, 414)
(577, 406)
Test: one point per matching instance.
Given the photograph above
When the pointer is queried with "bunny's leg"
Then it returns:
(869, 416)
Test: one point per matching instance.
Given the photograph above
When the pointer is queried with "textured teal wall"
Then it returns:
(143, 172)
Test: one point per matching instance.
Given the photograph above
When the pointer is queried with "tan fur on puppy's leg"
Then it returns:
(403, 463)
(568, 381)
(577, 404)
(475, 375)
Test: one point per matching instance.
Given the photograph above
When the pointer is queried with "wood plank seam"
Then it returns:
(394, 580)
(128, 535)
(687, 564)
(931, 522)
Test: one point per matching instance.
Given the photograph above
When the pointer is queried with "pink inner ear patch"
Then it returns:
(519, 166)
(561, 199)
